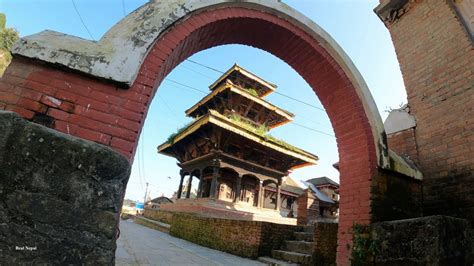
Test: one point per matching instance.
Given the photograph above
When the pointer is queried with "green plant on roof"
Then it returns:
(262, 131)
(252, 91)
(171, 137)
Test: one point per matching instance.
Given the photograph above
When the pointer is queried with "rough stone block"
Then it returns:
(432, 240)
(325, 243)
(60, 196)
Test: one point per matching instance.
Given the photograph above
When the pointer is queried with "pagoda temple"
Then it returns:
(228, 149)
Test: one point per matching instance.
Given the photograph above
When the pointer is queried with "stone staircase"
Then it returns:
(294, 252)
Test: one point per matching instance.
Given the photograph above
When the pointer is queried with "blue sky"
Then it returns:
(351, 23)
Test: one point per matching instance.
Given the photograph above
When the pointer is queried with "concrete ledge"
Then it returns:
(153, 224)
(404, 166)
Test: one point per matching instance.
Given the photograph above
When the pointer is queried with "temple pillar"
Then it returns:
(188, 191)
(237, 188)
(180, 188)
(278, 203)
(201, 183)
(215, 175)
(260, 197)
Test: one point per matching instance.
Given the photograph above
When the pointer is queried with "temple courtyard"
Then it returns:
(139, 245)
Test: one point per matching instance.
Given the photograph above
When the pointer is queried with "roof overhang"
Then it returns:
(229, 86)
(219, 120)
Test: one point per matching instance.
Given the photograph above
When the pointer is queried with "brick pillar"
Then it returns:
(307, 208)
(436, 58)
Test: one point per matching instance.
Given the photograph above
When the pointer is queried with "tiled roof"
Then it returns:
(319, 181)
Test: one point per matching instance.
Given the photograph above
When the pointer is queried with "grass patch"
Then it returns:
(252, 92)
(262, 131)
(171, 137)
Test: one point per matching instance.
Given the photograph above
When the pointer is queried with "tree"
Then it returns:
(8, 36)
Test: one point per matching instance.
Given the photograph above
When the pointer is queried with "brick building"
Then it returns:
(434, 45)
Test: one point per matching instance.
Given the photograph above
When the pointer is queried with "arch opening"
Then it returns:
(148, 53)
(231, 25)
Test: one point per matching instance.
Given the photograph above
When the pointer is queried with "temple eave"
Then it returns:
(227, 124)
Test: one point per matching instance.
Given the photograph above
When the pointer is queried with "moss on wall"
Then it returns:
(158, 215)
(395, 197)
(249, 239)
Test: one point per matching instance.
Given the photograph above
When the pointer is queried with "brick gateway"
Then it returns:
(101, 91)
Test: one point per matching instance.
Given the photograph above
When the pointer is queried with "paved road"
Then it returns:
(139, 245)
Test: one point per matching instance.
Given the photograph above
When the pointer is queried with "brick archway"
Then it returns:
(108, 114)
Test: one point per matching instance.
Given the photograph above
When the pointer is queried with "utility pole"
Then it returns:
(146, 191)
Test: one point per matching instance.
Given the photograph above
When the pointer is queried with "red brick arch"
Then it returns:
(102, 112)
(356, 146)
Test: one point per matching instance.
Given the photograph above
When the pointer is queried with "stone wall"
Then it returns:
(157, 215)
(437, 61)
(325, 243)
(242, 238)
(60, 196)
(433, 240)
(395, 197)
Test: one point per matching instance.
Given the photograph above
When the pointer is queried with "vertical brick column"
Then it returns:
(436, 57)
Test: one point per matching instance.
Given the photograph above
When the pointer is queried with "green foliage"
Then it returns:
(364, 248)
(5, 59)
(262, 131)
(8, 37)
(252, 91)
(3, 21)
(171, 137)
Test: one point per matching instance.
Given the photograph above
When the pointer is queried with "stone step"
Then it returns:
(304, 236)
(299, 246)
(307, 228)
(275, 262)
(303, 259)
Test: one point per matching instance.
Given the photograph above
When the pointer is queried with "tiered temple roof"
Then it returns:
(235, 106)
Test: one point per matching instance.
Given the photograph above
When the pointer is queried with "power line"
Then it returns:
(312, 129)
(123, 8)
(143, 157)
(208, 67)
(80, 17)
(276, 92)
(168, 107)
(184, 85)
(300, 101)
(139, 169)
(197, 72)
